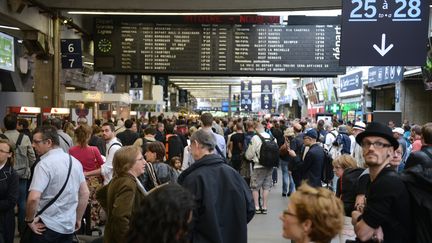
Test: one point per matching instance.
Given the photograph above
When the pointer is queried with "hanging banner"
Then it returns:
(246, 95)
(163, 81)
(136, 81)
(182, 96)
(266, 94)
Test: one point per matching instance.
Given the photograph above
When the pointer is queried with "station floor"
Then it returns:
(268, 228)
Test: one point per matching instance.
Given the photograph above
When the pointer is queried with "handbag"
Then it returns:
(26, 235)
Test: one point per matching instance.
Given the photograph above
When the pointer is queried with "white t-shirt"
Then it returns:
(49, 176)
(107, 167)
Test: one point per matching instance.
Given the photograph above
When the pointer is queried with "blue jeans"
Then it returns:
(50, 236)
(22, 199)
(285, 176)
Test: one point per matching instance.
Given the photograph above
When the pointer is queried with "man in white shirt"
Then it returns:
(207, 121)
(112, 145)
(60, 220)
(65, 140)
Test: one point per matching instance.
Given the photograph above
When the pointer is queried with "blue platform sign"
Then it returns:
(266, 94)
(246, 95)
(351, 82)
(384, 32)
(71, 53)
(378, 76)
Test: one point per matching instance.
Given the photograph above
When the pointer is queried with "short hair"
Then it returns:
(250, 125)
(345, 161)
(164, 216)
(82, 134)
(158, 148)
(48, 132)
(207, 119)
(10, 121)
(169, 129)
(124, 159)
(10, 161)
(98, 122)
(150, 130)
(239, 126)
(112, 128)
(416, 129)
(23, 122)
(322, 208)
(427, 133)
(205, 138)
(57, 123)
(128, 123)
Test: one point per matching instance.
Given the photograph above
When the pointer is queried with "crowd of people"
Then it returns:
(203, 180)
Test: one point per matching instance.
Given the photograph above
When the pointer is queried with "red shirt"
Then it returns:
(89, 157)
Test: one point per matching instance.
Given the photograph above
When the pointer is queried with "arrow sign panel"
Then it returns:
(384, 33)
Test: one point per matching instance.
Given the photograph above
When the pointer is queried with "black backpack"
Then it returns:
(327, 169)
(269, 152)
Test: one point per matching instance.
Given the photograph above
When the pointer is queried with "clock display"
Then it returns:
(104, 45)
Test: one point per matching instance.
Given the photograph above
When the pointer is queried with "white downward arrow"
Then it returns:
(383, 50)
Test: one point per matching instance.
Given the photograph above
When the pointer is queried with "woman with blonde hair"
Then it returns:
(91, 161)
(8, 192)
(122, 197)
(313, 215)
(345, 167)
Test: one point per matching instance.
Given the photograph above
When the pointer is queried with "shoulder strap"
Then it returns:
(113, 145)
(64, 139)
(428, 153)
(20, 138)
(60, 192)
(4, 136)
(261, 137)
(220, 152)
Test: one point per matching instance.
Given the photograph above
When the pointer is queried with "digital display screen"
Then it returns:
(7, 58)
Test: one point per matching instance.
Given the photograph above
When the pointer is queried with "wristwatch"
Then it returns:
(28, 221)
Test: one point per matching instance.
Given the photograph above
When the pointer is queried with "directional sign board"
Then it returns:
(384, 32)
(71, 53)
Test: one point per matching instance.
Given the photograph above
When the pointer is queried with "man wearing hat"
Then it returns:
(312, 157)
(224, 203)
(386, 216)
(357, 151)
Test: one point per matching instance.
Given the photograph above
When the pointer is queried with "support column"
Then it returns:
(56, 67)
(147, 87)
(229, 99)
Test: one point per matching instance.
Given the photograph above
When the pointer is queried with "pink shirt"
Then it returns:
(89, 157)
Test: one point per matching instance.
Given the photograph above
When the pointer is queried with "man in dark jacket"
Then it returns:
(128, 136)
(214, 183)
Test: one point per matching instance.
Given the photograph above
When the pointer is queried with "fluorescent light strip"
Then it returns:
(9, 27)
(332, 12)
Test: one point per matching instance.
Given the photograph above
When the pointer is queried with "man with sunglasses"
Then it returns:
(386, 216)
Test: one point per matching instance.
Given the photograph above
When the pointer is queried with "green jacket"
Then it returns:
(120, 199)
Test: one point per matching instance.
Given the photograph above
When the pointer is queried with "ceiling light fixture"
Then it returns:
(9, 27)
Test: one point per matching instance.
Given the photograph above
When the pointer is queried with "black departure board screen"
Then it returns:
(136, 45)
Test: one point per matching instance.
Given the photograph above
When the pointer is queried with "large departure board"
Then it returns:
(135, 45)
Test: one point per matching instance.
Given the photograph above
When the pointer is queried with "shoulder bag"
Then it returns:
(26, 236)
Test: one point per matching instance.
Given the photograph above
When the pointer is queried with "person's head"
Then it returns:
(259, 127)
(128, 123)
(250, 126)
(96, 130)
(297, 127)
(207, 119)
(391, 124)
(150, 131)
(239, 127)
(202, 143)
(328, 126)
(176, 162)
(358, 128)
(164, 216)
(426, 132)
(23, 124)
(310, 137)
(10, 121)
(313, 215)
(343, 162)
(57, 123)
(398, 132)
(155, 152)
(416, 132)
(397, 157)
(108, 131)
(128, 159)
(378, 144)
(320, 125)
(160, 127)
(7, 154)
(45, 138)
(83, 135)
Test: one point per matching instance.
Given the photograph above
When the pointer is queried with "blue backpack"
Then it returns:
(344, 141)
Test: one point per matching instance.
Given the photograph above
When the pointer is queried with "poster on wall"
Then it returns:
(79, 114)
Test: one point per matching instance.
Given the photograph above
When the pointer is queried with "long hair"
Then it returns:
(124, 159)
(83, 134)
(10, 161)
(164, 216)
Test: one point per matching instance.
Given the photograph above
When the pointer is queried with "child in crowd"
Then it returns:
(176, 163)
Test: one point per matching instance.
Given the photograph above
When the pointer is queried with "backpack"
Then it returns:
(418, 181)
(343, 142)
(269, 152)
(327, 173)
(22, 163)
